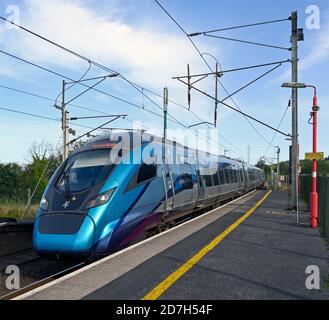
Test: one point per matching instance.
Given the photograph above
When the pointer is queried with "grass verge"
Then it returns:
(17, 210)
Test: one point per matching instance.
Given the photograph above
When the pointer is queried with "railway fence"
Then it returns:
(323, 191)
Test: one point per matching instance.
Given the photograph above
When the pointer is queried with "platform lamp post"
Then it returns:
(314, 194)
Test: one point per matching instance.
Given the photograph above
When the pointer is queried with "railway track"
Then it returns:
(15, 253)
(34, 271)
(19, 258)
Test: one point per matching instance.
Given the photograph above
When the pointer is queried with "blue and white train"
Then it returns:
(95, 205)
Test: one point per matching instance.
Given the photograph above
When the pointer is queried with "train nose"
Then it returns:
(64, 233)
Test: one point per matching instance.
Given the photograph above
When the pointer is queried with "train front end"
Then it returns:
(73, 213)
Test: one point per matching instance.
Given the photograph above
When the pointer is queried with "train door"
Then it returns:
(168, 183)
(246, 177)
(242, 179)
(201, 196)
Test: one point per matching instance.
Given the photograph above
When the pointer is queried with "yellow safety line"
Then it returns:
(172, 278)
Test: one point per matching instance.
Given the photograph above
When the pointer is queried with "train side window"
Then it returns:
(186, 181)
(221, 176)
(186, 178)
(208, 180)
(146, 172)
(215, 179)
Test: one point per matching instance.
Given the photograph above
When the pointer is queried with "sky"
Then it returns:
(138, 40)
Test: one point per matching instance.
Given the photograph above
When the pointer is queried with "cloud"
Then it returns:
(145, 52)
(144, 55)
(319, 52)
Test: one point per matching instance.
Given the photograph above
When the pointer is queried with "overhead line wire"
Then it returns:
(98, 111)
(240, 26)
(197, 49)
(279, 125)
(89, 61)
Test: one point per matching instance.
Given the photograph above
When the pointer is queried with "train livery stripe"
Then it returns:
(176, 275)
(120, 222)
(139, 196)
(135, 202)
(151, 217)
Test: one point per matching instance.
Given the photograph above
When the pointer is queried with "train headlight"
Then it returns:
(100, 199)
(44, 203)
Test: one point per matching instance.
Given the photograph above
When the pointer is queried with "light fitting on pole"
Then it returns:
(294, 85)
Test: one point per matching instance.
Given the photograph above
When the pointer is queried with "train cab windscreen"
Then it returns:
(85, 170)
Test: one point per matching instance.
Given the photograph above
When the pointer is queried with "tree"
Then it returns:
(15, 180)
(44, 160)
(40, 151)
(10, 182)
(262, 165)
(284, 168)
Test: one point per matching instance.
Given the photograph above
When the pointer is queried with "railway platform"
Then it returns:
(252, 248)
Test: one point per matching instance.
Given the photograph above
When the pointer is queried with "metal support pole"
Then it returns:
(278, 168)
(216, 96)
(165, 112)
(188, 87)
(294, 77)
(64, 124)
(314, 195)
(248, 151)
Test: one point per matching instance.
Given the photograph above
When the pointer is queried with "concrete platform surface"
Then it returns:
(264, 257)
